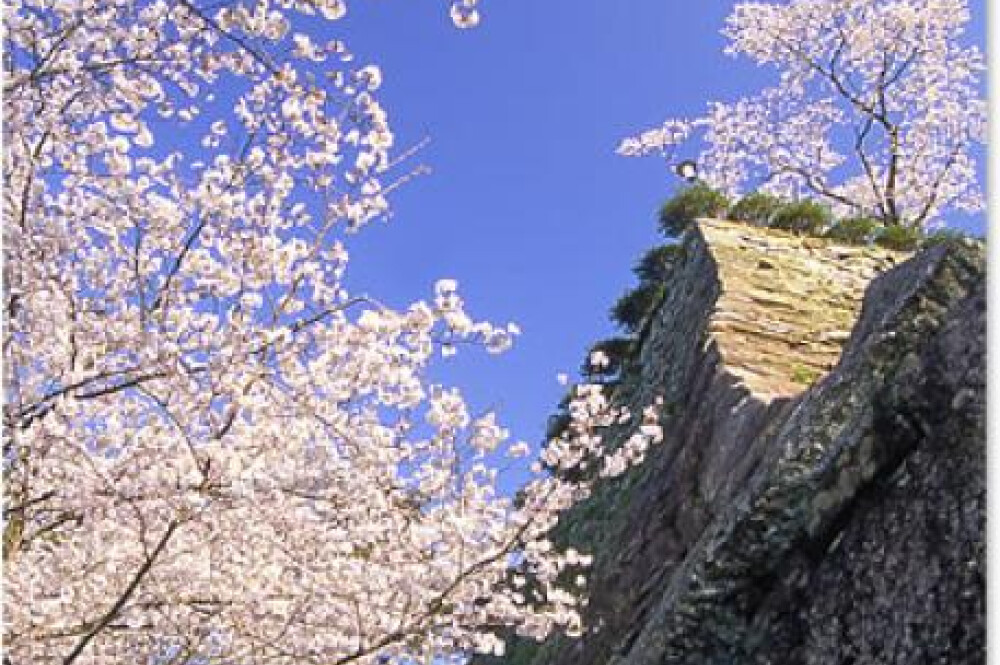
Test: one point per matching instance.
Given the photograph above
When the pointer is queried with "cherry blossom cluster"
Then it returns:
(215, 452)
(877, 109)
(464, 13)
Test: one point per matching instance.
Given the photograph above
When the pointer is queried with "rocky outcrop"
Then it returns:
(820, 496)
(787, 303)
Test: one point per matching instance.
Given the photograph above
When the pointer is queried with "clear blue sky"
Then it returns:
(527, 205)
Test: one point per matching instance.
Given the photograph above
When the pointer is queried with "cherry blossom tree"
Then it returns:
(213, 452)
(877, 109)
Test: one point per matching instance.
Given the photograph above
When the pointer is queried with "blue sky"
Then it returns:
(527, 205)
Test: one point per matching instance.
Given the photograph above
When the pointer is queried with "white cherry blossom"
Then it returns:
(877, 109)
(214, 451)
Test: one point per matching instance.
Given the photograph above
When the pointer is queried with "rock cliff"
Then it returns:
(820, 495)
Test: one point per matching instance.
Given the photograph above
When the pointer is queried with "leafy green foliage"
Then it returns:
(632, 308)
(901, 238)
(806, 217)
(691, 203)
(854, 230)
(756, 208)
(657, 262)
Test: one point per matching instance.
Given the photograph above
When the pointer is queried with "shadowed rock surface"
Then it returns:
(840, 522)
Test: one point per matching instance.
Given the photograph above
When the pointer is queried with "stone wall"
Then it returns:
(819, 497)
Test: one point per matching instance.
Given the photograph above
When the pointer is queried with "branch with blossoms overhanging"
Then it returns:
(878, 110)
(214, 452)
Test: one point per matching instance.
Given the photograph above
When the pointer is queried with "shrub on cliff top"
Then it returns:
(756, 208)
(900, 238)
(854, 230)
(688, 205)
(806, 217)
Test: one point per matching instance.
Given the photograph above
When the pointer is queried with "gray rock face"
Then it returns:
(840, 525)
